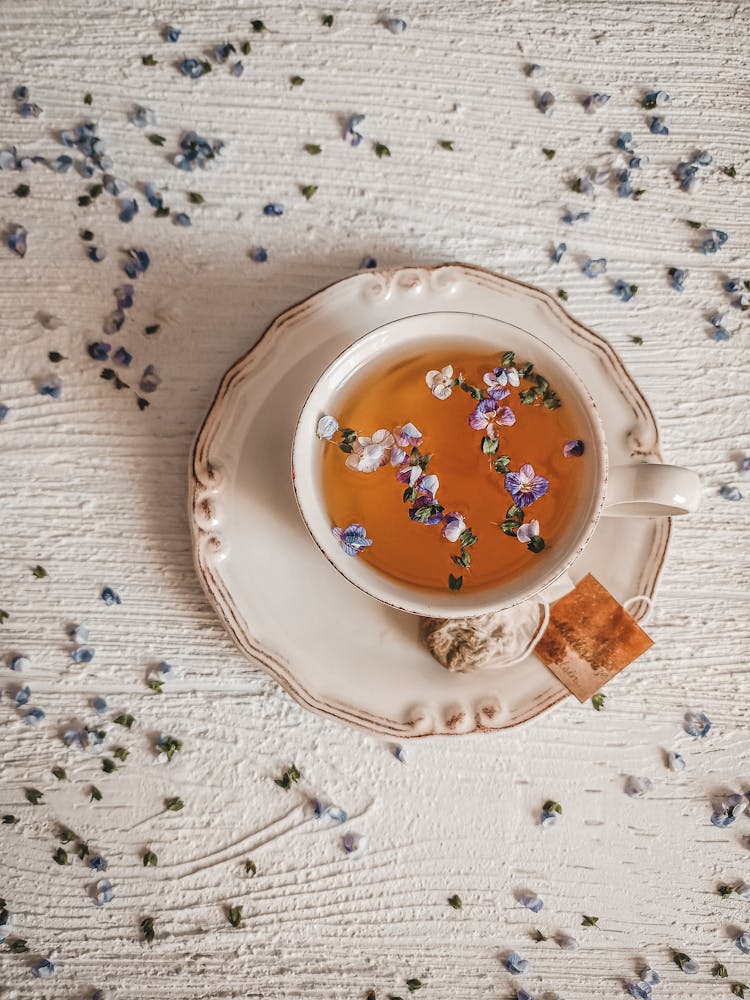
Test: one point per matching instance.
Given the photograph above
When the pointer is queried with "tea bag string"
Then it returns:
(544, 622)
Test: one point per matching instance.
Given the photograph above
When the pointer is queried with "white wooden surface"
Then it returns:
(94, 490)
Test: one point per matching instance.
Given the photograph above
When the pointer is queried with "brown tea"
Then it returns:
(450, 471)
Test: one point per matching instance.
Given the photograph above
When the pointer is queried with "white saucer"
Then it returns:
(336, 650)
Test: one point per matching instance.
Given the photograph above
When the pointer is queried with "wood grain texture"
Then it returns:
(94, 490)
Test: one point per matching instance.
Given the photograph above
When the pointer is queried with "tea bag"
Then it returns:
(463, 645)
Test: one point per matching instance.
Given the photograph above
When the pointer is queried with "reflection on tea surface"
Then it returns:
(452, 471)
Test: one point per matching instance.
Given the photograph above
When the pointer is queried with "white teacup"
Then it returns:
(636, 490)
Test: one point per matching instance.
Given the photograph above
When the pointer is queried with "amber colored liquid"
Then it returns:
(417, 554)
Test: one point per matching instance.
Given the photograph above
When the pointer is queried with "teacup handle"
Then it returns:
(649, 489)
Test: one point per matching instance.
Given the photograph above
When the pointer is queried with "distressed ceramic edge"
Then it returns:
(204, 479)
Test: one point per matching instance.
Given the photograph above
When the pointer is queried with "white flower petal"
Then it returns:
(442, 391)
(327, 427)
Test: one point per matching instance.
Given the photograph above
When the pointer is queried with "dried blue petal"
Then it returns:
(75, 738)
(679, 277)
(524, 995)
(691, 967)
(259, 255)
(114, 185)
(550, 817)
(79, 634)
(165, 668)
(641, 990)
(352, 136)
(399, 753)
(532, 902)
(593, 268)
(704, 158)
(154, 199)
(395, 25)
(51, 387)
(43, 969)
(150, 380)
(623, 142)
(123, 357)
(110, 596)
(96, 254)
(19, 663)
(129, 209)
(534, 69)
(124, 296)
(4, 411)
(182, 219)
(141, 117)
(658, 126)
(637, 162)
(624, 290)
(733, 285)
(742, 941)
(99, 350)
(113, 323)
(742, 889)
(30, 110)
(656, 99)
(715, 241)
(99, 705)
(728, 492)
(594, 101)
(193, 68)
(650, 977)
(17, 241)
(516, 965)
(721, 333)
(675, 761)
(223, 52)
(237, 69)
(62, 163)
(368, 263)
(140, 260)
(273, 208)
(82, 655)
(21, 93)
(173, 34)
(557, 253)
(636, 788)
(352, 841)
(566, 941)
(545, 102)
(697, 724)
(97, 863)
(34, 716)
(102, 892)
(569, 218)
(22, 696)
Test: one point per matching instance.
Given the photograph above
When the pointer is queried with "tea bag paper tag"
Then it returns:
(589, 639)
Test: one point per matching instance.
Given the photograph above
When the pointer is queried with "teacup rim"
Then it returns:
(484, 605)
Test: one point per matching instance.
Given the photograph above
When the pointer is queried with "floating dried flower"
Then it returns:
(352, 841)
(697, 724)
(594, 101)
(488, 416)
(593, 268)
(453, 526)
(351, 135)
(532, 902)
(352, 539)
(525, 486)
(370, 453)
(395, 25)
(636, 788)
(527, 532)
(516, 965)
(545, 102)
(624, 290)
(16, 240)
(327, 427)
(573, 449)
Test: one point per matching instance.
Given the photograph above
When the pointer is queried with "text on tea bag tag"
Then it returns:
(589, 639)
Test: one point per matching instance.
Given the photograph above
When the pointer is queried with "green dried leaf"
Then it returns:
(297, 81)
(149, 858)
(680, 958)
(148, 60)
(174, 805)
(455, 582)
(22, 191)
(234, 915)
(288, 778)
(96, 795)
(196, 198)
(446, 144)
(161, 213)
(455, 901)
(39, 572)
(536, 543)
(147, 926)
(467, 538)
(309, 190)
(9, 819)
(60, 856)
(738, 989)
(490, 445)
(730, 171)
(258, 26)
(34, 796)
(549, 153)
(251, 868)
(501, 463)
(720, 971)
(18, 946)
(413, 984)
(725, 890)
(156, 140)
(245, 48)
(60, 773)
(313, 148)
(108, 765)
(551, 806)
(156, 685)
(121, 753)
(636, 339)
(693, 224)
(464, 560)
(563, 294)
(598, 700)
(381, 150)
(125, 720)
(589, 921)
(327, 20)
(88, 99)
